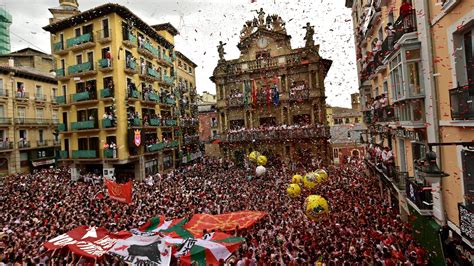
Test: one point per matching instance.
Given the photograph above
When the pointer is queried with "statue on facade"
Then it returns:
(246, 30)
(309, 35)
(277, 23)
(220, 50)
(268, 22)
(261, 17)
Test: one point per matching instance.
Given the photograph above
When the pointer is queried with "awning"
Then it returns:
(217, 141)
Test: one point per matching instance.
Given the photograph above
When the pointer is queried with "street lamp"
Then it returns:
(427, 166)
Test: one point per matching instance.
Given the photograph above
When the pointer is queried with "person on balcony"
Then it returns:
(111, 87)
(108, 56)
(390, 33)
(405, 12)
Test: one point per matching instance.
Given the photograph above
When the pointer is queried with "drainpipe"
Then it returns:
(431, 97)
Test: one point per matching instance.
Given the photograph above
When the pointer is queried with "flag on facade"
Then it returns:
(254, 92)
(119, 192)
(276, 95)
(144, 250)
(206, 250)
(246, 94)
(91, 242)
(222, 222)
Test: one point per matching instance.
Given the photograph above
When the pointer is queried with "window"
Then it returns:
(77, 32)
(2, 111)
(54, 93)
(348, 134)
(396, 76)
(336, 153)
(467, 158)
(347, 121)
(469, 54)
(40, 135)
(54, 115)
(412, 58)
(2, 93)
(356, 120)
(24, 159)
(21, 112)
(385, 87)
(79, 59)
(23, 134)
(214, 133)
(39, 113)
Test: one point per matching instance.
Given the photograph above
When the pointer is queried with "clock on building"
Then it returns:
(262, 42)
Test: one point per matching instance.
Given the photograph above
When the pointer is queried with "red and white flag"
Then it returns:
(91, 242)
(119, 192)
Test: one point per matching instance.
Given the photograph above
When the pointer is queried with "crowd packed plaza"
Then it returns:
(360, 228)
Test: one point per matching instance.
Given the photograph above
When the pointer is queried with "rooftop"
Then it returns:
(29, 73)
(185, 58)
(103, 10)
(166, 26)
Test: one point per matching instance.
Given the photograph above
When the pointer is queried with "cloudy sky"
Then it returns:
(202, 23)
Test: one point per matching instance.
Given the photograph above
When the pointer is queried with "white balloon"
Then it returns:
(260, 170)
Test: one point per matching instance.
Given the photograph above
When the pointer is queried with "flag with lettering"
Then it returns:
(91, 242)
(119, 192)
(142, 250)
(206, 250)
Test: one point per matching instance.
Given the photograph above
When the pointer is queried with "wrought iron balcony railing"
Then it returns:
(419, 194)
(462, 102)
(84, 154)
(277, 134)
(79, 40)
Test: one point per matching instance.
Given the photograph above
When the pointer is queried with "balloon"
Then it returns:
(322, 173)
(297, 179)
(260, 170)
(315, 206)
(253, 156)
(293, 190)
(310, 180)
(261, 160)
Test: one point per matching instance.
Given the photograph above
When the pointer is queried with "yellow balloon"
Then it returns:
(315, 206)
(254, 155)
(261, 160)
(293, 190)
(297, 179)
(310, 180)
(322, 173)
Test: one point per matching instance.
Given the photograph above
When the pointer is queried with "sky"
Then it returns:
(203, 23)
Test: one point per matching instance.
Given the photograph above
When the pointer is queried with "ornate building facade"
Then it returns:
(272, 97)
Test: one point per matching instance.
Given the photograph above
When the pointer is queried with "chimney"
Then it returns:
(11, 62)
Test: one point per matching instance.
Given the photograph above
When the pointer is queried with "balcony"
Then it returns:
(106, 93)
(62, 127)
(5, 121)
(404, 24)
(167, 59)
(169, 100)
(3, 93)
(168, 80)
(381, 115)
(171, 144)
(107, 123)
(147, 49)
(104, 36)
(130, 40)
(153, 73)
(419, 196)
(171, 122)
(191, 139)
(60, 73)
(81, 69)
(190, 122)
(155, 122)
(61, 99)
(462, 102)
(81, 42)
(298, 93)
(277, 135)
(41, 143)
(56, 142)
(33, 121)
(6, 145)
(155, 147)
(137, 122)
(135, 95)
(24, 144)
(236, 101)
(22, 96)
(58, 48)
(40, 97)
(63, 155)
(84, 154)
(104, 65)
(84, 125)
(151, 97)
(131, 67)
(83, 96)
(110, 153)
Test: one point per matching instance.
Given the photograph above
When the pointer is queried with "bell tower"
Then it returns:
(66, 9)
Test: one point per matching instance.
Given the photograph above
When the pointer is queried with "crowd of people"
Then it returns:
(361, 228)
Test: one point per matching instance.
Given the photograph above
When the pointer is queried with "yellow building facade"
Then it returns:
(116, 92)
(29, 116)
(415, 75)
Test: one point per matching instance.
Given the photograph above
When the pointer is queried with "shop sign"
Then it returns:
(407, 134)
